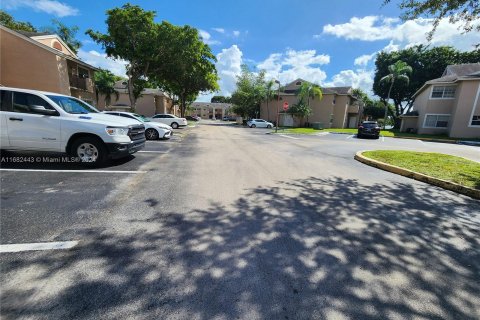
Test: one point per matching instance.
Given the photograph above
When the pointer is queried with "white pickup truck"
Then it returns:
(51, 122)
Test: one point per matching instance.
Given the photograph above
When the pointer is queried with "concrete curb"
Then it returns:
(474, 193)
(427, 139)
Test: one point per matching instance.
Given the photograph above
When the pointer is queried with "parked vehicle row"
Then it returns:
(32, 120)
(51, 122)
(153, 130)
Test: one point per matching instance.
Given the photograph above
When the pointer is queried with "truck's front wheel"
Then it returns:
(90, 151)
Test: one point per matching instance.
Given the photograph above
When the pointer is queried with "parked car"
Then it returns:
(153, 130)
(369, 129)
(260, 123)
(193, 118)
(170, 119)
(51, 122)
(229, 118)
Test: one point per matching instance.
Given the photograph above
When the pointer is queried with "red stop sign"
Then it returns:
(285, 106)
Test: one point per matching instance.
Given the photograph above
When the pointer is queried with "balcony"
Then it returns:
(81, 83)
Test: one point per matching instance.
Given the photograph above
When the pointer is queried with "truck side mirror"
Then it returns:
(41, 110)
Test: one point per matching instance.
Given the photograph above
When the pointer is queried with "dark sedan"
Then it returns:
(369, 129)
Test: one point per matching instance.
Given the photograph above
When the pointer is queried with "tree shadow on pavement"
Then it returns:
(305, 249)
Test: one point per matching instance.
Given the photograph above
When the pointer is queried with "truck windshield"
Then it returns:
(72, 105)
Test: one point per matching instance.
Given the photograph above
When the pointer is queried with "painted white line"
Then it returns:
(285, 136)
(4, 248)
(146, 151)
(71, 171)
(350, 137)
(322, 133)
(421, 141)
(383, 139)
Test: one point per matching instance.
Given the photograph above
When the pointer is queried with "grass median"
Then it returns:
(441, 166)
(385, 133)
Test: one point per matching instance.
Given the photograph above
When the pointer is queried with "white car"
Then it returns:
(51, 122)
(153, 130)
(260, 123)
(170, 119)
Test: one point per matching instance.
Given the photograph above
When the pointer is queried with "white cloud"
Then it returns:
(402, 34)
(363, 60)
(391, 47)
(207, 37)
(236, 33)
(292, 65)
(219, 30)
(52, 7)
(100, 60)
(229, 66)
(360, 78)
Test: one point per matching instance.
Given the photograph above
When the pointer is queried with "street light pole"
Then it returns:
(278, 105)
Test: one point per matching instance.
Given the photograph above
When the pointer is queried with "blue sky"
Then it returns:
(332, 43)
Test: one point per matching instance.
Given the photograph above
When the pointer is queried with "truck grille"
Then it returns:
(137, 132)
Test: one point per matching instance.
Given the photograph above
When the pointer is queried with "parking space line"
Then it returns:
(72, 171)
(383, 139)
(6, 248)
(285, 136)
(322, 133)
(421, 141)
(350, 137)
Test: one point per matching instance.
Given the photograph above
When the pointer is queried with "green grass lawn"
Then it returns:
(385, 133)
(438, 165)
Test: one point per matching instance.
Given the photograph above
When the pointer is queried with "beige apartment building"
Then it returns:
(152, 101)
(42, 61)
(210, 110)
(448, 105)
(337, 109)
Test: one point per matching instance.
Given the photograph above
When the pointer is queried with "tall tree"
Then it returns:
(466, 12)
(9, 22)
(398, 73)
(185, 66)
(131, 36)
(67, 34)
(104, 85)
(249, 94)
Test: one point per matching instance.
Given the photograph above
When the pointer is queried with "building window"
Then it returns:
(436, 121)
(476, 120)
(443, 92)
(299, 83)
(83, 73)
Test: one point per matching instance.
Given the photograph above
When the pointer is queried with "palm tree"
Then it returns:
(398, 71)
(104, 85)
(308, 91)
(311, 90)
(269, 94)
